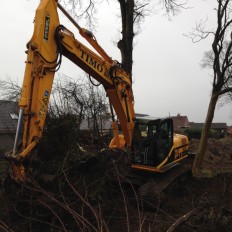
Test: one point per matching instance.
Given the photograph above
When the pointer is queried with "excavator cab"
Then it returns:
(154, 146)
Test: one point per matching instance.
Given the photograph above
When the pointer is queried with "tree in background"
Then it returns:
(132, 12)
(219, 59)
(81, 98)
(68, 97)
(76, 98)
(97, 107)
(10, 90)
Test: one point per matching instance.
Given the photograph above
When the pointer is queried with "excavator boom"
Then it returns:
(49, 42)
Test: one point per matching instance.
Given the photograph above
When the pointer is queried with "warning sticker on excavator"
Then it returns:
(46, 26)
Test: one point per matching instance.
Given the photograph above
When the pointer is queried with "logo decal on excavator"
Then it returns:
(43, 108)
(88, 59)
(46, 26)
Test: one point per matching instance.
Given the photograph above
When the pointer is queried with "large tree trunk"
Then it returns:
(126, 43)
(196, 169)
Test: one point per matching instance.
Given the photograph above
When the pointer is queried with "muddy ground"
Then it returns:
(91, 188)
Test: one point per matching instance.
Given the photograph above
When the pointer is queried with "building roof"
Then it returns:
(219, 125)
(215, 126)
(179, 122)
(8, 116)
(140, 115)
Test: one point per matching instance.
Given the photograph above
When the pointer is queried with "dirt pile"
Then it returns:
(218, 157)
(91, 190)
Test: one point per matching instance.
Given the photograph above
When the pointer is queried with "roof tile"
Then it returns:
(7, 123)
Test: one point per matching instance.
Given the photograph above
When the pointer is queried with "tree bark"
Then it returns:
(125, 45)
(197, 165)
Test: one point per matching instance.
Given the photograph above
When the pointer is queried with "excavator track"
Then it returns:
(153, 186)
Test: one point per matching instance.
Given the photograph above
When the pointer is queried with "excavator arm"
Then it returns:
(114, 79)
(50, 41)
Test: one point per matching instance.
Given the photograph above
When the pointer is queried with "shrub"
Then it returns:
(193, 133)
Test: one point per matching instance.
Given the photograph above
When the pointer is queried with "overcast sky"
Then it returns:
(167, 76)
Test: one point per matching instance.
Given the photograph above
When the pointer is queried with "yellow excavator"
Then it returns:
(152, 143)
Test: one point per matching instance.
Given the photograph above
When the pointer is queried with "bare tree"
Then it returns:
(81, 98)
(68, 97)
(133, 13)
(10, 90)
(97, 107)
(219, 59)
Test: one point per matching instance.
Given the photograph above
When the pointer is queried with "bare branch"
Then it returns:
(10, 90)
(199, 32)
(173, 7)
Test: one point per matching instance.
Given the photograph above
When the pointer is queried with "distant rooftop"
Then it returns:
(140, 115)
(179, 122)
(8, 116)
(219, 125)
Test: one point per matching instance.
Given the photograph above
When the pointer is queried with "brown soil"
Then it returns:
(218, 157)
(94, 191)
